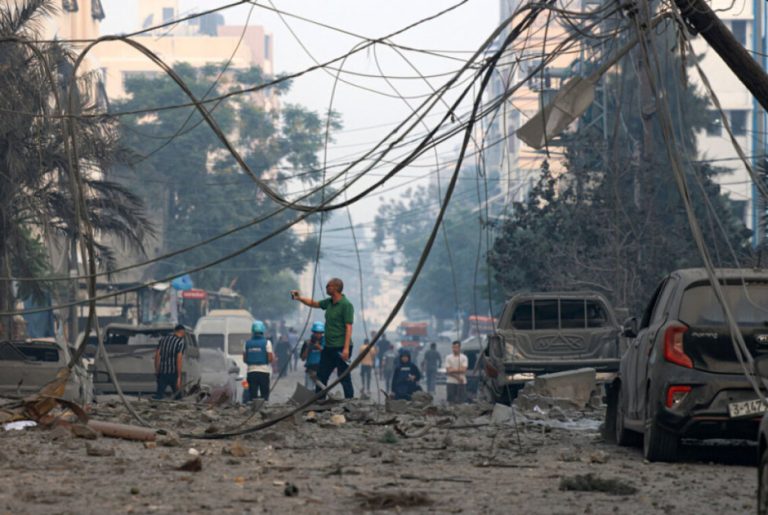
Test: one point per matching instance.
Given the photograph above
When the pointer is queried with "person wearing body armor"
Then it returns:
(311, 351)
(258, 356)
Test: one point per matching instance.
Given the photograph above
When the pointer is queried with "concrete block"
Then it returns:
(576, 385)
(501, 414)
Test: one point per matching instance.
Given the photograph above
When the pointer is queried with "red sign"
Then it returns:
(194, 294)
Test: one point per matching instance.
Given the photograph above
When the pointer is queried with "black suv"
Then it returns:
(680, 376)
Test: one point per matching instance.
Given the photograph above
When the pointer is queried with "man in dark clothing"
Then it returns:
(168, 357)
(283, 349)
(406, 377)
(430, 363)
(382, 347)
(339, 316)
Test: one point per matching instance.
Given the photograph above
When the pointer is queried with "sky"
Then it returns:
(366, 116)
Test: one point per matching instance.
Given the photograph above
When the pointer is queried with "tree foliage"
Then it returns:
(612, 221)
(197, 190)
(35, 183)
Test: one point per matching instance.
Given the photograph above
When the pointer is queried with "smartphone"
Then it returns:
(294, 294)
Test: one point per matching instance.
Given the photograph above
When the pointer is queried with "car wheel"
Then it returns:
(762, 484)
(658, 443)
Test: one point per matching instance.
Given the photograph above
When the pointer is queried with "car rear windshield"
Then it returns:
(748, 303)
(559, 314)
(236, 342)
(28, 352)
(211, 341)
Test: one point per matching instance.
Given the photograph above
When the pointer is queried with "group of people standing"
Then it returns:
(329, 349)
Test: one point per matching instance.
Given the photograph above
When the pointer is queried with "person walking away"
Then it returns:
(293, 342)
(383, 345)
(283, 349)
(339, 317)
(311, 351)
(406, 378)
(168, 358)
(367, 365)
(456, 365)
(430, 363)
(388, 367)
(258, 356)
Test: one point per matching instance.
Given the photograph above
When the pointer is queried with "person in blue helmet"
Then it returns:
(406, 377)
(258, 356)
(311, 351)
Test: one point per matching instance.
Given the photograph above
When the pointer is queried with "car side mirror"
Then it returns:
(233, 368)
(629, 328)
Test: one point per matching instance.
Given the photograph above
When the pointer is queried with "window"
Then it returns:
(267, 42)
(522, 318)
(749, 305)
(97, 10)
(70, 6)
(739, 30)
(739, 122)
(545, 314)
(715, 125)
(236, 343)
(167, 14)
(572, 313)
(211, 341)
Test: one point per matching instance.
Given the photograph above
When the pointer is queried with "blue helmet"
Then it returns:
(318, 327)
(258, 327)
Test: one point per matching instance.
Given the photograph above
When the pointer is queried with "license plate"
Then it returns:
(747, 408)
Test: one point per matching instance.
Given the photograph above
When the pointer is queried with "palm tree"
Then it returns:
(36, 198)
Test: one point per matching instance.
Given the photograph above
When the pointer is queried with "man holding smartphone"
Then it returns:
(339, 317)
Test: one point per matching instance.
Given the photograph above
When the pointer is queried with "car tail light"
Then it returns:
(245, 383)
(676, 394)
(673, 346)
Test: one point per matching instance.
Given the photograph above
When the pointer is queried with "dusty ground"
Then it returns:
(453, 461)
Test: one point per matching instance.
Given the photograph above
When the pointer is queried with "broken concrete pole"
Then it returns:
(124, 431)
(576, 385)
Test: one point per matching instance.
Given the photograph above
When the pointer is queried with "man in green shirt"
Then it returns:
(339, 317)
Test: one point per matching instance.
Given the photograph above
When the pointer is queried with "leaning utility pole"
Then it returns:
(701, 18)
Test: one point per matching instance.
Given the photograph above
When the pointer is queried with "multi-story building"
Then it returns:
(199, 41)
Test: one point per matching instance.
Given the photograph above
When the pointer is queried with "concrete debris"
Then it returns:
(592, 483)
(237, 450)
(392, 500)
(96, 450)
(502, 414)
(83, 431)
(19, 425)
(169, 439)
(338, 420)
(290, 490)
(209, 416)
(576, 385)
(598, 457)
(194, 464)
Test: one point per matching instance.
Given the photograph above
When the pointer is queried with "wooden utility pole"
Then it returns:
(703, 20)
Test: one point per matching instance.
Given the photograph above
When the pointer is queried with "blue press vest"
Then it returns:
(256, 351)
(314, 355)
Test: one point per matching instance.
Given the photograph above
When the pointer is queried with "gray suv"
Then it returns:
(547, 332)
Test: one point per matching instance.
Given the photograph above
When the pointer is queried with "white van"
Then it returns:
(226, 330)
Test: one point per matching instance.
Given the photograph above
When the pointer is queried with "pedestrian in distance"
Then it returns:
(388, 367)
(339, 317)
(293, 341)
(382, 346)
(456, 365)
(283, 349)
(168, 359)
(430, 363)
(258, 356)
(310, 353)
(367, 365)
(406, 377)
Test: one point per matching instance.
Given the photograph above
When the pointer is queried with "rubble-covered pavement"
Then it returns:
(360, 456)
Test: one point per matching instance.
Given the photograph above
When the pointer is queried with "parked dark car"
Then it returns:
(680, 376)
(546, 332)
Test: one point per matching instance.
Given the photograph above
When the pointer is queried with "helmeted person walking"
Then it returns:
(430, 363)
(339, 317)
(258, 356)
(168, 359)
(406, 377)
(311, 351)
